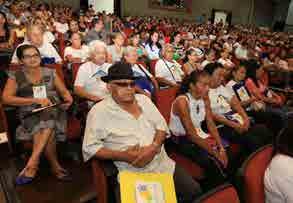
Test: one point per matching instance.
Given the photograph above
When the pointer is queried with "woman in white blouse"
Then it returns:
(194, 132)
(278, 179)
(76, 52)
(153, 47)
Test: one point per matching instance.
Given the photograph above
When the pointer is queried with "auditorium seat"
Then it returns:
(222, 194)
(251, 175)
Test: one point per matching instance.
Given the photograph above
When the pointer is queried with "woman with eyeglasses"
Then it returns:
(29, 88)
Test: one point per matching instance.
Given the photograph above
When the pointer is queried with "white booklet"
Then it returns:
(149, 192)
(3, 138)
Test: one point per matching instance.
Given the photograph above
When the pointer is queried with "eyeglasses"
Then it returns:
(124, 84)
(35, 56)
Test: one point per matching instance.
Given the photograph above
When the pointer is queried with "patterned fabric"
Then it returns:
(52, 118)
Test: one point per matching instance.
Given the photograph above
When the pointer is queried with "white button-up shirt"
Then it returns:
(109, 126)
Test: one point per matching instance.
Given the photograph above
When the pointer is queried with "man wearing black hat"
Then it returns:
(128, 129)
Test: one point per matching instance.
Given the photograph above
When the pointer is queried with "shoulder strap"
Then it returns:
(169, 70)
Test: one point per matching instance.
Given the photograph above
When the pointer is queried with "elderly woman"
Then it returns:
(88, 84)
(168, 71)
(146, 83)
(35, 37)
(31, 87)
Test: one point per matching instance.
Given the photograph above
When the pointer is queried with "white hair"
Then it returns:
(96, 43)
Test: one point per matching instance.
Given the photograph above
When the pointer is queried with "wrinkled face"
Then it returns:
(239, 74)
(99, 56)
(35, 36)
(31, 58)
(76, 40)
(122, 91)
(131, 57)
(119, 40)
(201, 87)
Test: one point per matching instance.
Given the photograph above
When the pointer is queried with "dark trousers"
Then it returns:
(256, 137)
(215, 174)
(186, 188)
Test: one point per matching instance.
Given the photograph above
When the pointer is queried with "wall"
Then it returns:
(75, 4)
(241, 10)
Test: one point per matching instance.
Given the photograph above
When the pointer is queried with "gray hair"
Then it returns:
(94, 44)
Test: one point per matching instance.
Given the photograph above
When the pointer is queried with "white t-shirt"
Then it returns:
(61, 27)
(220, 100)
(82, 53)
(89, 77)
(169, 70)
(241, 53)
(47, 50)
(220, 103)
(278, 180)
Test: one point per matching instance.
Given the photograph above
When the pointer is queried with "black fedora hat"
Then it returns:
(119, 71)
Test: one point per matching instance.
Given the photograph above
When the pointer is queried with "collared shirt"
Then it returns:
(169, 70)
(111, 127)
(47, 51)
(89, 77)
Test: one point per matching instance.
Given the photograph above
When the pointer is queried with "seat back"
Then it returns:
(164, 99)
(4, 127)
(224, 193)
(75, 68)
(251, 175)
(153, 67)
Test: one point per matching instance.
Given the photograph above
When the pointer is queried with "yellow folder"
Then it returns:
(147, 187)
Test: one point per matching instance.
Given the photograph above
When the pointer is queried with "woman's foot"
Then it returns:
(61, 174)
(26, 176)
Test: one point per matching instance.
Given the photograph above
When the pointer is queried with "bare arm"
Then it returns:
(81, 92)
(165, 82)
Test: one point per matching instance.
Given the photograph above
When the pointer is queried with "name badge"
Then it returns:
(40, 92)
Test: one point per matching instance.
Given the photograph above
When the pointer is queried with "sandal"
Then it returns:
(23, 179)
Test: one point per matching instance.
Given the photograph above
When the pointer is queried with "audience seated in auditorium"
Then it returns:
(152, 46)
(192, 60)
(97, 32)
(136, 141)
(228, 111)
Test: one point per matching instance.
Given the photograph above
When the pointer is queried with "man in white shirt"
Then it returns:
(167, 71)
(129, 130)
(241, 52)
(88, 83)
(35, 37)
